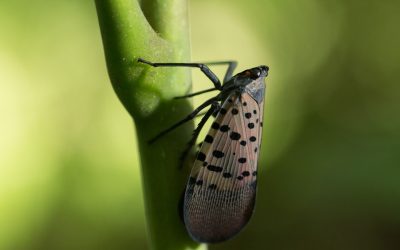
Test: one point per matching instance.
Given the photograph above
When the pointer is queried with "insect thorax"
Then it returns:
(238, 84)
(257, 89)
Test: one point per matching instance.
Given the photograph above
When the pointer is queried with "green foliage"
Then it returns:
(146, 93)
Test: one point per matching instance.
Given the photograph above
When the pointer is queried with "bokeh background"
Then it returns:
(330, 168)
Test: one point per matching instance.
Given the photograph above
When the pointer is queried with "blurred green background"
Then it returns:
(330, 168)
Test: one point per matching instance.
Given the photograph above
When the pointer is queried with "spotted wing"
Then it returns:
(220, 194)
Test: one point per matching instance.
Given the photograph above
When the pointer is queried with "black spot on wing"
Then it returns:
(201, 156)
(218, 154)
(227, 175)
(215, 125)
(234, 136)
(214, 168)
(209, 139)
(246, 173)
(224, 128)
(242, 160)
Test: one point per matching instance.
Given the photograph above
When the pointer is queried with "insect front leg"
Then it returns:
(201, 66)
(228, 75)
(229, 71)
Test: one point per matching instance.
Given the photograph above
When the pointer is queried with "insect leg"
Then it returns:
(215, 107)
(229, 72)
(201, 66)
(195, 93)
(186, 119)
(200, 114)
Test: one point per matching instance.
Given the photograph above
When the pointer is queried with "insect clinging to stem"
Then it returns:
(220, 193)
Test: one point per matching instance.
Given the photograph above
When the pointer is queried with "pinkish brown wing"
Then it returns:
(220, 194)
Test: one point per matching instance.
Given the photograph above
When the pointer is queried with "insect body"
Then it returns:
(220, 194)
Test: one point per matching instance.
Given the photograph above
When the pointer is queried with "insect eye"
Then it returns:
(255, 73)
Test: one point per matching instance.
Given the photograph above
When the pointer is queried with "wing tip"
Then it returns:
(212, 217)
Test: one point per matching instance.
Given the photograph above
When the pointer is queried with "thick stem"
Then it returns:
(147, 95)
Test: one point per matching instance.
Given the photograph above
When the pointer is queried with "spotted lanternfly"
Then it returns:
(220, 193)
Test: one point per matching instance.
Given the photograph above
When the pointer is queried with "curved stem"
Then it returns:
(159, 35)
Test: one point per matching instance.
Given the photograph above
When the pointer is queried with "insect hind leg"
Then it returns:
(186, 119)
(215, 107)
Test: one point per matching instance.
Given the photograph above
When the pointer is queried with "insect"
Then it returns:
(220, 193)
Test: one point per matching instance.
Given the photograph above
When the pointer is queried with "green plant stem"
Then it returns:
(161, 35)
